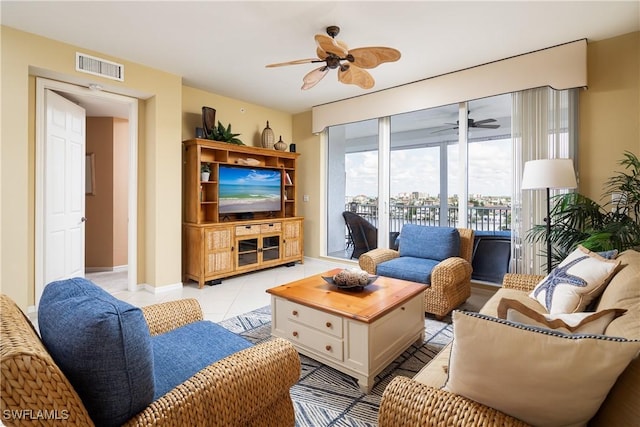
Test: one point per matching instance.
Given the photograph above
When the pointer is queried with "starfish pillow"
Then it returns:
(573, 284)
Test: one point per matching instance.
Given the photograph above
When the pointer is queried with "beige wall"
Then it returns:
(159, 156)
(99, 204)
(120, 191)
(246, 119)
(609, 110)
(309, 182)
(107, 208)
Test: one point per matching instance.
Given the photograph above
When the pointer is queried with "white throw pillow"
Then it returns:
(573, 284)
(570, 323)
(541, 377)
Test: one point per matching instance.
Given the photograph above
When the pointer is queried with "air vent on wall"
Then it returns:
(99, 67)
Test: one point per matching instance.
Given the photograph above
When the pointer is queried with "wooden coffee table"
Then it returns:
(358, 333)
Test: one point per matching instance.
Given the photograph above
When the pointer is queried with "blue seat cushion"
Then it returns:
(436, 243)
(102, 345)
(408, 268)
(182, 352)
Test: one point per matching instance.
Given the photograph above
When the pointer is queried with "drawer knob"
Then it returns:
(402, 308)
(329, 324)
(294, 312)
(328, 348)
(295, 334)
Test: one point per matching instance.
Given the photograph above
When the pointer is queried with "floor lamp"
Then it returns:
(548, 174)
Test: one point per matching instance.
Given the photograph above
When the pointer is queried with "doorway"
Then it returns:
(95, 102)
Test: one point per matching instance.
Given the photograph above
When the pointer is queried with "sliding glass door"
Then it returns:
(425, 167)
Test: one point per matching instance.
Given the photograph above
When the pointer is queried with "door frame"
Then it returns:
(40, 139)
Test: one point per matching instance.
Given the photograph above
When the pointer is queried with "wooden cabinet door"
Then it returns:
(218, 256)
(292, 240)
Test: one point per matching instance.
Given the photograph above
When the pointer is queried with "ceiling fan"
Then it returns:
(471, 123)
(349, 62)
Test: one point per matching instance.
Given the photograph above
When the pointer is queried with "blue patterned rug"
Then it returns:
(326, 397)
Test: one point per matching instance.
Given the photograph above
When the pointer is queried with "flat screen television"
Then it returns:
(246, 189)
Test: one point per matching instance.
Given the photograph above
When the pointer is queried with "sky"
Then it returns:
(419, 170)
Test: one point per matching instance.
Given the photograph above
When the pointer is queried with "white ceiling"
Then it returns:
(223, 47)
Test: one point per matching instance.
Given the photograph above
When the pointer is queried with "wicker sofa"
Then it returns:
(422, 401)
(250, 387)
(448, 283)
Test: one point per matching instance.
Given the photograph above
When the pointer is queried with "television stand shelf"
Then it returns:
(220, 238)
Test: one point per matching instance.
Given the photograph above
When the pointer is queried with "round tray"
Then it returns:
(355, 288)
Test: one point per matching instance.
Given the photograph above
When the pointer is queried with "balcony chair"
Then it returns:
(104, 362)
(438, 257)
(491, 257)
(363, 235)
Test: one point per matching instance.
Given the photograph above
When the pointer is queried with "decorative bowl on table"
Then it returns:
(352, 279)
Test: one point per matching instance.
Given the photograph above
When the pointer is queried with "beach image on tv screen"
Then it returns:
(248, 190)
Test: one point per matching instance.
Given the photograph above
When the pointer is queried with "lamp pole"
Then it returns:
(548, 221)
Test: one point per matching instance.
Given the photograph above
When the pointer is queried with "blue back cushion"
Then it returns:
(102, 345)
(182, 352)
(437, 243)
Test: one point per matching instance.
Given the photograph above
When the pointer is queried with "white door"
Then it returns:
(64, 188)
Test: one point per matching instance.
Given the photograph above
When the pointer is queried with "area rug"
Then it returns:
(326, 397)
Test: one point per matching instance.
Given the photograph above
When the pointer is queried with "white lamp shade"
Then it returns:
(548, 173)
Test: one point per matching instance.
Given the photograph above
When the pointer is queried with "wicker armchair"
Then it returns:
(450, 279)
(249, 388)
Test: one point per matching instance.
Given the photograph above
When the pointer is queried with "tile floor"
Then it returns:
(234, 296)
(239, 294)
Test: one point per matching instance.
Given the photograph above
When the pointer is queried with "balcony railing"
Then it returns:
(486, 219)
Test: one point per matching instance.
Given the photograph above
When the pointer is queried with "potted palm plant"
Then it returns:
(579, 220)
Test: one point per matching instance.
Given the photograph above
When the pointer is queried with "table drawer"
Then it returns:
(323, 322)
(246, 230)
(316, 341)
(270, 227)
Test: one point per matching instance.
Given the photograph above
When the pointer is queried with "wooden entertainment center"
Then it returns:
(218, 243)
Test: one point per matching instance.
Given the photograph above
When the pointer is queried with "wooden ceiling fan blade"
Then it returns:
(487, 126)
(330, 45)
(297, 61)
(356, 76)
(312, 78)
(371, 57)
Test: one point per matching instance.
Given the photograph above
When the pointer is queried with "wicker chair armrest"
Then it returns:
(369, 260)
(231, 392)
(406, 402)
(521, 282)
(170, 315)
(450, 271)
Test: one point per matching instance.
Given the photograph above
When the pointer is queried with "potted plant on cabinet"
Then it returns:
(224, 134)
(205, 171)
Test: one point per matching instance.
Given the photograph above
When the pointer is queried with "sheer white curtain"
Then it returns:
(544, 126)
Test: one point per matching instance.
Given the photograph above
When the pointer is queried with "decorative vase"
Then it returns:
(204, 176)
(267, 137)
(280, 145)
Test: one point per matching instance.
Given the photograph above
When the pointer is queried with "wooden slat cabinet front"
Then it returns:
(215, 251)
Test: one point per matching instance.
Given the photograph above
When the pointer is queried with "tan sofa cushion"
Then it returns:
(434, 373)
(624, 292)
(516, 369)
(490, 308)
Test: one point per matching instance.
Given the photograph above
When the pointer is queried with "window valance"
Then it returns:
(560, 67)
